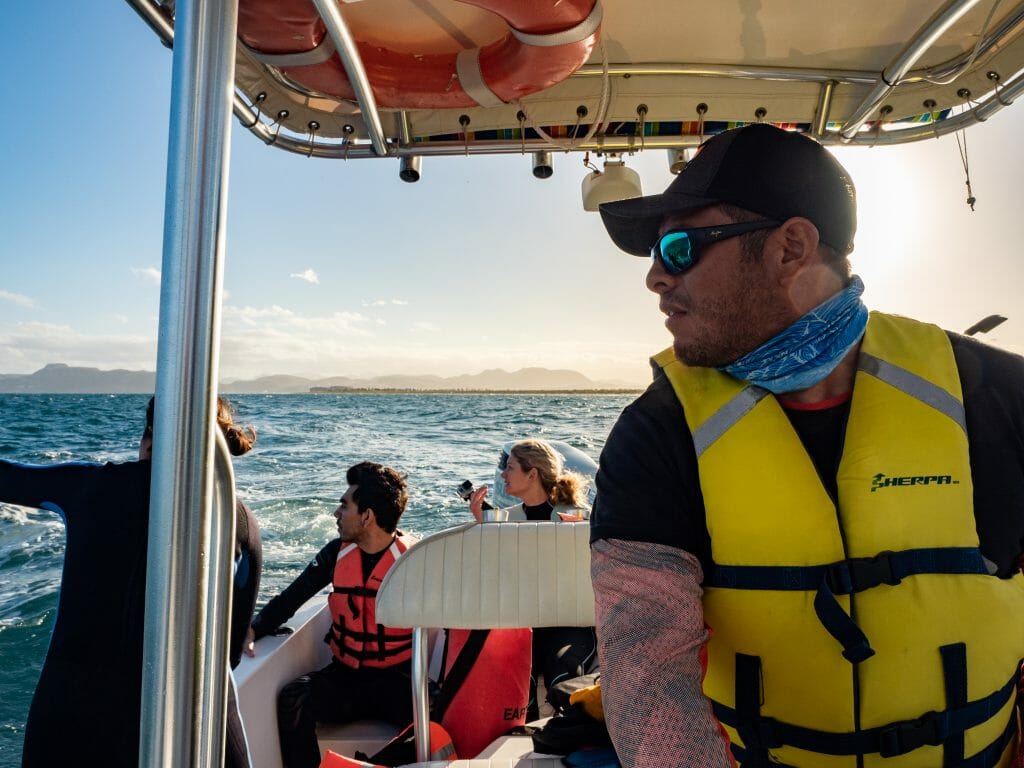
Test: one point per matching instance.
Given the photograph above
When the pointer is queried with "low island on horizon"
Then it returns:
(59, 378)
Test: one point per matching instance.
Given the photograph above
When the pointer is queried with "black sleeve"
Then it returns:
(315, 577)
(248, 567)
(993, 387)
(647, 484)
(64, 488)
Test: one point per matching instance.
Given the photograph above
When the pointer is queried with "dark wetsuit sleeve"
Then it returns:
(248, 567)
(315, 577)
(993, 387)
(647, 485)
(60, 488)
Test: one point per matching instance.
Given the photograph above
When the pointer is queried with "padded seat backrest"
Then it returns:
(493, 575)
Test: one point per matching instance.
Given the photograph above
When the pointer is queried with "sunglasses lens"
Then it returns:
(503, 461)
(675, 251)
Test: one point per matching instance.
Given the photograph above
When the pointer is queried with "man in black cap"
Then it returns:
(807, 530)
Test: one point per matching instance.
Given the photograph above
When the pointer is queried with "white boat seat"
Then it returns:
(492, 575)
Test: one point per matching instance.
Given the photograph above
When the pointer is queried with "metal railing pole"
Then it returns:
(176, 705)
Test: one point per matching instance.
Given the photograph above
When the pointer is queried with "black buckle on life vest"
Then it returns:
(860, 573)
(906, 736)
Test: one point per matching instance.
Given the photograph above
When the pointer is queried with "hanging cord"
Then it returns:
(602, 108)
(974, 54)
(971, 199)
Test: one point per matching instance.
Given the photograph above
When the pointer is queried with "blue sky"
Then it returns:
(477, 266)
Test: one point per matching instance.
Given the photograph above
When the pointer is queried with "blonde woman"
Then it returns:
(535, 473)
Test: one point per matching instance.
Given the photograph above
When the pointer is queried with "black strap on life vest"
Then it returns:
(378, 640)
(855, 574)
(989, 757)
(847, 577)
(954, 674)
(892, 740)
(749, 697)
(357, 591)
(452, 681)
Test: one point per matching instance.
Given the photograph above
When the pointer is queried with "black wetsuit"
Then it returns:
(559, 653)
(85, 709)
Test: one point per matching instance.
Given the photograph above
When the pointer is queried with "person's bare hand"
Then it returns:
(476, 502)
(249, 646)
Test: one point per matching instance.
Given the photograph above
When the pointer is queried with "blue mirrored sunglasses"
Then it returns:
(677, 250)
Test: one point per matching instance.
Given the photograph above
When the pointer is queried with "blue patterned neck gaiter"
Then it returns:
(810, 349)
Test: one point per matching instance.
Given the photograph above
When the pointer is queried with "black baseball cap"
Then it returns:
(761, 168)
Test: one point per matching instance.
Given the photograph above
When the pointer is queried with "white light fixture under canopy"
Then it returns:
(615, 182)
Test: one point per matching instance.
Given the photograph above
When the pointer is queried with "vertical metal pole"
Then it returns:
(420, 696)
(176, 705)
(820, 124)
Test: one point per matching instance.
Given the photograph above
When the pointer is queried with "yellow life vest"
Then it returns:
(868, 625)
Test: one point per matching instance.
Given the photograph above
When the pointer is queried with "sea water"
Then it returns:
(292, 480)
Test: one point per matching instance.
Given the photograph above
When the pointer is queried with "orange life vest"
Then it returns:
(492, 698)
(356, 639)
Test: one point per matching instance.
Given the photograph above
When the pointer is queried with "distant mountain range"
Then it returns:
(58, 378)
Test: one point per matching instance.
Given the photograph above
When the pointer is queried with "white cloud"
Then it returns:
(17, 298)
(385, 302)
(425, 326)
(259, 341)
(30, 346)
(122, 319)
(308, 275)
(149, 274)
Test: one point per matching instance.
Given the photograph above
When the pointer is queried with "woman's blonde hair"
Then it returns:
(562, 488)
(239, 439)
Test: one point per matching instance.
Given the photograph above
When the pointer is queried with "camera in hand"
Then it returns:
(465, 490)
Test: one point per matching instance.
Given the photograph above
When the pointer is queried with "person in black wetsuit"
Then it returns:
(534, 472)
(86, 705)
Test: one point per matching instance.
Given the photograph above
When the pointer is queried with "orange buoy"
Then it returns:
(545, 43)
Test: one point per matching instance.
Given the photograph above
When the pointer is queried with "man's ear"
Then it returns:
(793, 245)
(373, 515)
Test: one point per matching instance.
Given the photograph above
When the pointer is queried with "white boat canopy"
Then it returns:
(660, 73)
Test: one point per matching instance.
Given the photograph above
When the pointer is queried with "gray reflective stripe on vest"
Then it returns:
(913, 385)
(725, 417)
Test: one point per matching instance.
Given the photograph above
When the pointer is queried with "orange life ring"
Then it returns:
(546, 43)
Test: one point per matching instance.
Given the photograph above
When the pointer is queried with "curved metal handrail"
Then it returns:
(901, 64)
